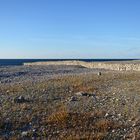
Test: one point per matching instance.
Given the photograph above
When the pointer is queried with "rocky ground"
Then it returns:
(68, 103)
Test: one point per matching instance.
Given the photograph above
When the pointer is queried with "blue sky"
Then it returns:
(69, 29)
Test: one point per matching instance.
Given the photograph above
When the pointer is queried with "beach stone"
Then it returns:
(113, 131)
(119, 115)
(24, 134)
(99, 74)
(20, 99)
(85, 94)
(79, 93)
(106, 115)
(73, 99)
(7, 91)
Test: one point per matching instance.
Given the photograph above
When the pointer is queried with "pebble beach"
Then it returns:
(69, 102)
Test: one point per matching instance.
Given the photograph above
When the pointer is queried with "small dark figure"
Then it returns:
(99, 73)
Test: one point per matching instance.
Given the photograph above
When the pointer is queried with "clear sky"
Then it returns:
(69, 28)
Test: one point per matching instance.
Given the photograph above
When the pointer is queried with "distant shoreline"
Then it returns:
(17, 62)
(109, 65)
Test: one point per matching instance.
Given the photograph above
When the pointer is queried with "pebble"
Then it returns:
(24, 134)
(34, 130)
(119, 115)
(20, 99)
(134, 125)
(106, 115)
(7, 91)
(113, 131)
(73, 99)
(79, 93)
(57, 132)
(124, 129)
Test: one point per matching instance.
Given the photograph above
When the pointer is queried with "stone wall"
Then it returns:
(120, 66)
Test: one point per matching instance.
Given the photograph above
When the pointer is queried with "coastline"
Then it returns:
(111, 65)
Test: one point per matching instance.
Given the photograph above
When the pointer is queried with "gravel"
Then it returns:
(59, 102)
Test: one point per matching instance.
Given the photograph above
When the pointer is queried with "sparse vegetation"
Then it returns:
(112, 113)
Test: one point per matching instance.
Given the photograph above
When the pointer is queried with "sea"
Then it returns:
(18, 62)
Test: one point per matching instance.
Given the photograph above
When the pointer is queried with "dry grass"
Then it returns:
(86, 136)
(104, 125)
(49, 117)
(87, 126)
(59, 117)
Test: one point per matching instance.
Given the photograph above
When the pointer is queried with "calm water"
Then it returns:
(8, 62)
